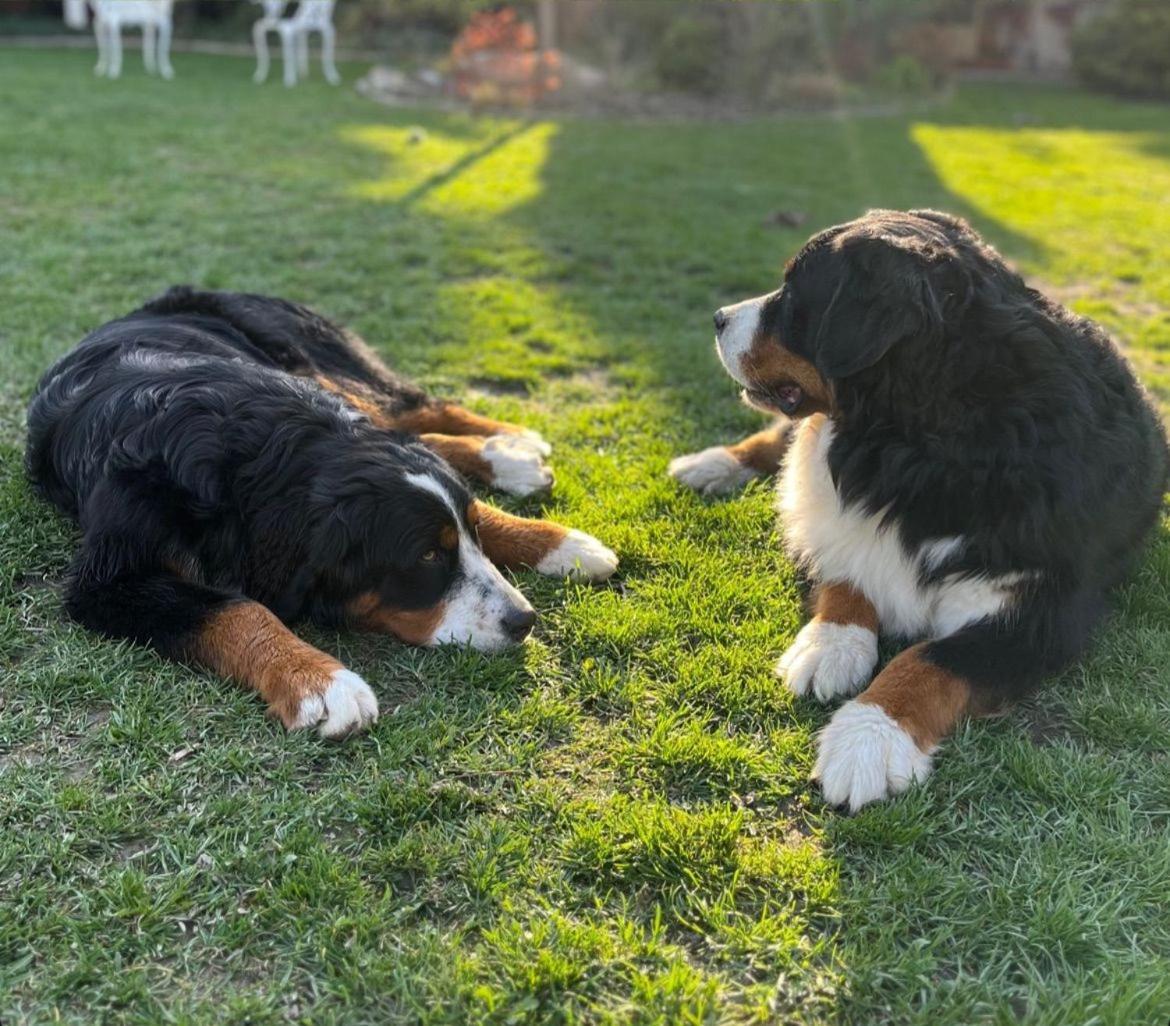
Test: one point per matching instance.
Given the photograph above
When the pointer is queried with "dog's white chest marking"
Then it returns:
(838, 544)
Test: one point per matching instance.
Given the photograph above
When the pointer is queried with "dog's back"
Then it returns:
(151, 388)
(290, 336)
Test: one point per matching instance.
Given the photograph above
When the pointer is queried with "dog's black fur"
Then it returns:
(204, 465)
(966, 403)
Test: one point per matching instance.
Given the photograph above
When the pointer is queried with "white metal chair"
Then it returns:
(76, 14)
(152, 16)
(310, 16)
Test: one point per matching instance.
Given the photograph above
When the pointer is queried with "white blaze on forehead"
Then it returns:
(439, 490)
(474, 609)
(734, 341)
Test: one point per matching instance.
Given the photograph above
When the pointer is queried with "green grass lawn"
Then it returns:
(612, 824)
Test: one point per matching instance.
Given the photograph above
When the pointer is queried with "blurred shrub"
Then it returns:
(408, 32)
(689, 55)
(1127, 50)
(735, 49)
(445, 17)
(904, 76)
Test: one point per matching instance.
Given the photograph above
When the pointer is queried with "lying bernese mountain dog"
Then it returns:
(966, 463)
(237, 462)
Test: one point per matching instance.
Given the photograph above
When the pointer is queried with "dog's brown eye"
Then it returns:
(430, 555)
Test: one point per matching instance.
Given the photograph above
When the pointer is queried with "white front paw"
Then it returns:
(517, 465)
(579, 555)
(347, 706)
(831, 658)
(713, 471)
(865, 756)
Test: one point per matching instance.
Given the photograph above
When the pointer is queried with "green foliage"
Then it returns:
(441, 17)
(904, 76)
(1127, 49)
(688, 54)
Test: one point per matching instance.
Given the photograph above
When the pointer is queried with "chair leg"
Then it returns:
(260, 42)
(99, 36)
(114, 39)
(288, 48)
(149, 46)
(303, 54)
(327, 40)
(164, 51)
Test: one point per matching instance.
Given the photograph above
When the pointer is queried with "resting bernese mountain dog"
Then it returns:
(966, 464)
(237, 463)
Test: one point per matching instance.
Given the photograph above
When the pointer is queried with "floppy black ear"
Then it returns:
(891, 289)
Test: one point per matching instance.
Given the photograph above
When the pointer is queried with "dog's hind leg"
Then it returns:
(449, 419)
(511, 463)
(549, 548)
(723, 469)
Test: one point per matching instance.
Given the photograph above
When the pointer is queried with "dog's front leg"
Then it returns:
(549, 548)
(836, 651)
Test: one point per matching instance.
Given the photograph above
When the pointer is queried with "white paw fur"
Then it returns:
(864, 756)
(579, 555)
(831, 659)
(713, 471)
(517, 464)
(347, 706)
(534, 441)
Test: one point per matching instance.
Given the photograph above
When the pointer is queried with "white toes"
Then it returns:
(579, 555)
(534, 441)
(864, 756)
(346, 707)
(830, 658)
(517, 466)
(713, 471)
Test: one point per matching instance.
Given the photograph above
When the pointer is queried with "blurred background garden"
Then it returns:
(706, 57)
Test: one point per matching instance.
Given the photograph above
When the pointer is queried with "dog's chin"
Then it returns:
(785, 399)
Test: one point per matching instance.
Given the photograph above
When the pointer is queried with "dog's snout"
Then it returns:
(518, 622)
(720, 320)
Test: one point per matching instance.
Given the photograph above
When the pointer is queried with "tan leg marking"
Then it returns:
(514, 542)
(464, 453)
(449, 419)
(763, 451)
(433, 417)
(844, 604)
(414, 626)
(923, 699)
(248, 642)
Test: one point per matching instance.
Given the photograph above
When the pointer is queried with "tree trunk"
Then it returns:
(546, 21)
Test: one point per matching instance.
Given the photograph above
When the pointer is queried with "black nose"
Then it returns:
(518, 623)
(720, 321)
